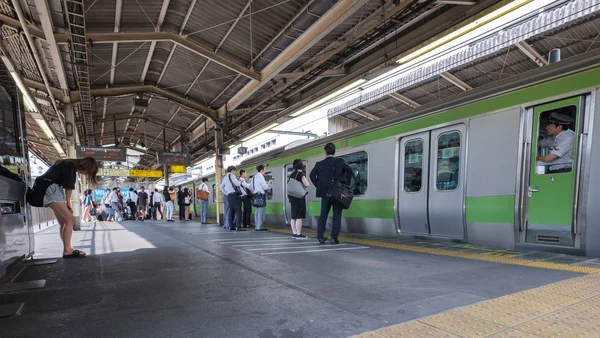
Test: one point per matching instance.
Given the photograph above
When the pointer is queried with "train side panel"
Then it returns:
(492, 170)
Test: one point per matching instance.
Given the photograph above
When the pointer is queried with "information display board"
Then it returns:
(178, 169)
(102, 154)
(173, 158)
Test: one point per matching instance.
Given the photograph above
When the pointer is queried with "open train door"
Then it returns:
(551, 188)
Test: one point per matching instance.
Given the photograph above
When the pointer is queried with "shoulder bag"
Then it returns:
(35, 195)
(339, 193)
(296, 188)
(201, 194)
(237, 189)
(259, 199)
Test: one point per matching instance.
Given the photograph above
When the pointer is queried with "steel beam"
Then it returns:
(364, 114)
(403, 99)
(456, 81)
(289, 132)
(46, 20)
(153, 120)
(327, 73)
(457, 2)
(116, 91)
(181, 41)
(33, 29)
(328, 22)
(531, 53)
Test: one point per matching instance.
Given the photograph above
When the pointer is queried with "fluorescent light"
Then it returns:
(45, 127)
(261, 131)
(329, 97)
(465, 29)
(58, 147)
(29, 104)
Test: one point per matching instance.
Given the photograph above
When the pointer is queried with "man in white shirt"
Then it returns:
(204, 203)
(246, 199)
(259, 186)
(157, 200)
(232, 190)
(114, 202)
(131, 199)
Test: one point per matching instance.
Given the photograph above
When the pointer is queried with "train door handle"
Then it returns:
(533, 190)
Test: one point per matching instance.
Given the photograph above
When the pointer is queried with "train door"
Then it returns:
(431, 190)
(550, 194)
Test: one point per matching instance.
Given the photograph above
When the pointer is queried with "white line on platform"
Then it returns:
(212, 232)
(269, 244)
(252, 240)
(289, 252)
(291, 247)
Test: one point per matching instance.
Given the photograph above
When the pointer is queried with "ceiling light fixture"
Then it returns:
(329, 97)
(465, 29)
(269, 127)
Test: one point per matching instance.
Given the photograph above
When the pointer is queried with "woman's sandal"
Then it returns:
(75, 254)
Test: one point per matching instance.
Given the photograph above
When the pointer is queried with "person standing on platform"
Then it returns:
(246, 199)
(324, 173)
(259, 188)
(232, 190)
(298, 205)
(114, 203)
(181, 203)
(53, 190)
(168, 204)
(142, 202)
(157, 202)
(131, 199)
(187, 200)
(202, 196)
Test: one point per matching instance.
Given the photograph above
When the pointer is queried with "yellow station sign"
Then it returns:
(178, 169)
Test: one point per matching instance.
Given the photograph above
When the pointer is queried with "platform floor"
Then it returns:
(158, 279)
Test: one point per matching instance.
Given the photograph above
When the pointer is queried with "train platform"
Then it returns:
(184, 279)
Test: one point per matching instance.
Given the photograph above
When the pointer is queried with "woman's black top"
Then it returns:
(166, 196)
(63, 174)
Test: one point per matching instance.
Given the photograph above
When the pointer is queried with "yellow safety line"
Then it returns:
(489, 257)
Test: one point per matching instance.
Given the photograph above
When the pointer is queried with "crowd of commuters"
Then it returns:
(241, 195)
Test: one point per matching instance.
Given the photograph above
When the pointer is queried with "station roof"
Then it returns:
(236, 65)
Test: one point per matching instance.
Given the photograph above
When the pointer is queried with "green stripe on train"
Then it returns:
(552, 88)
(539, 92)
(484, 209)
(491, 209)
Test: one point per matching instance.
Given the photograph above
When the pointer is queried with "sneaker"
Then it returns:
(294, 236)
(301, 237)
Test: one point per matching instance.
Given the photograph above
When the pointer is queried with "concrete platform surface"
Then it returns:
(184, 279)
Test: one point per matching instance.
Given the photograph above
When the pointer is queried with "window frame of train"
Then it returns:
(549, 192)
(432, 210)
(10, 145)
(364, 173)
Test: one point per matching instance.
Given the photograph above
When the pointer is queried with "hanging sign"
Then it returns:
(178, 169)
(146, 173)
(102, 154)
(173, 158)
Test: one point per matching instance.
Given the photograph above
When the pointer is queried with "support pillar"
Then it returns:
(71, 153)
(165, 167)
(219, 173)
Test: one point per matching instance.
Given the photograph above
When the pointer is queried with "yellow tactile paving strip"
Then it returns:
(483, 256)
(570, 308)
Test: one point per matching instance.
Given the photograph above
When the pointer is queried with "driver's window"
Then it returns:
(556, 140)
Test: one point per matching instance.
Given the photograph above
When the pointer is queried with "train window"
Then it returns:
(413, 165)
(214, 193)
(9, 144)
(269, 192)
(359, 162)
(448, 161)
(556, 141)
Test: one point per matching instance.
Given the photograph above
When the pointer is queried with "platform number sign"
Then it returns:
(173, 158)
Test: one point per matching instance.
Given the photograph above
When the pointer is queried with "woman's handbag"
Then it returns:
(259, 200)
(296, 188)
(339, 193)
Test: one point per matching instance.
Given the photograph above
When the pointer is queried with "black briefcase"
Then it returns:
(340, 194)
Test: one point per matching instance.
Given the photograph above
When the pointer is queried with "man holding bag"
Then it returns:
(259, 187)
(326, 175)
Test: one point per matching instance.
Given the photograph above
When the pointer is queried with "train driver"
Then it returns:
(560, 141)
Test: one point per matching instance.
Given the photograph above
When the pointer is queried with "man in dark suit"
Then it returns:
(322, 176)
(181, 204)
